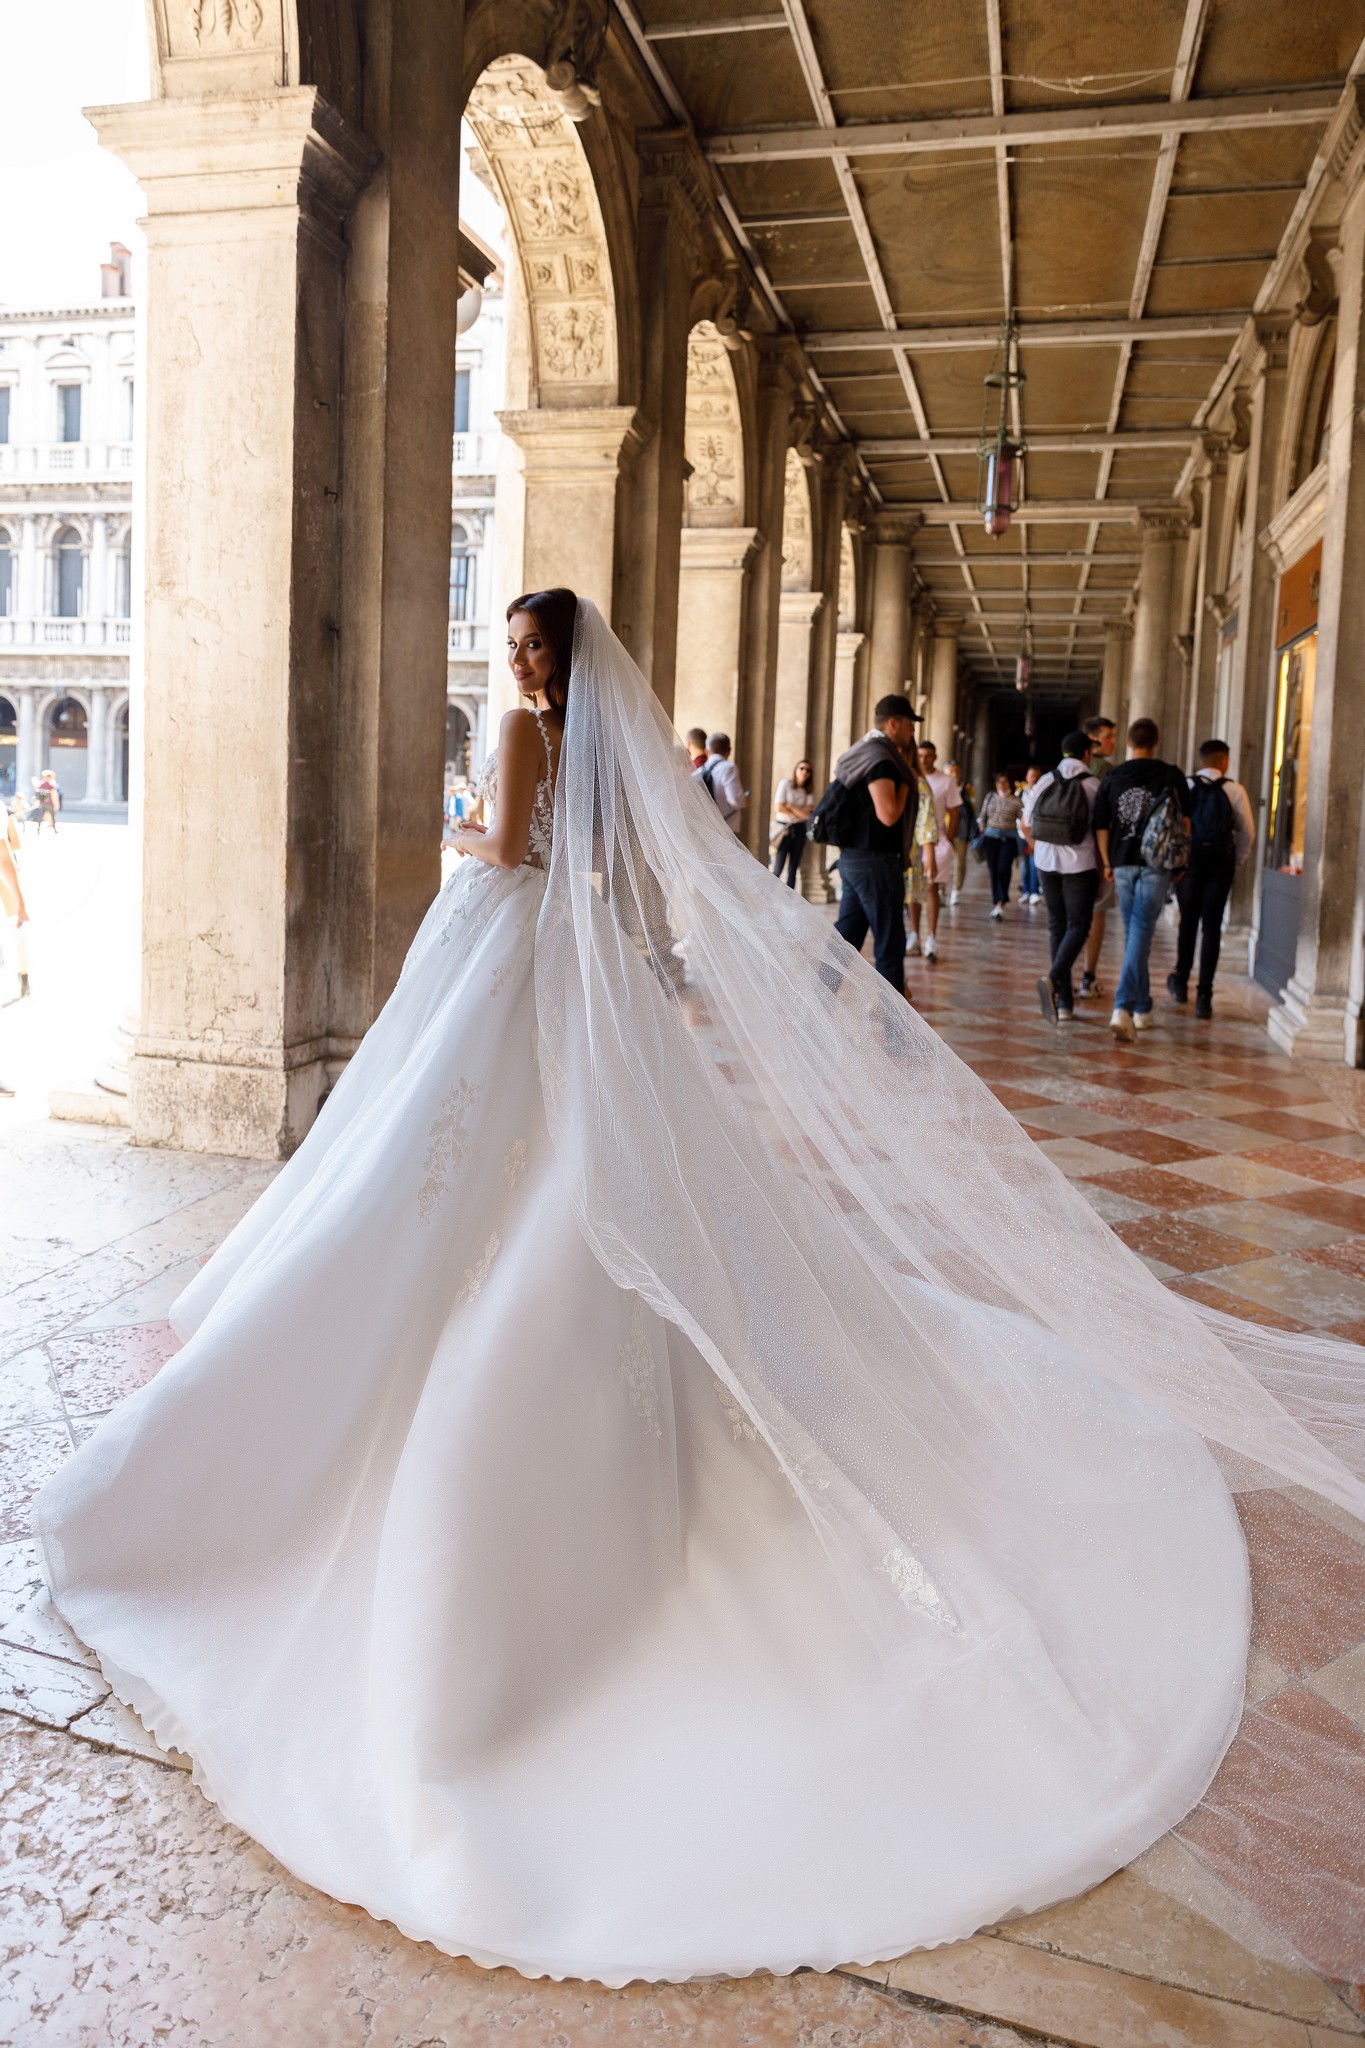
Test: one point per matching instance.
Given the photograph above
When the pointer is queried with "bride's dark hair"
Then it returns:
(556, 613)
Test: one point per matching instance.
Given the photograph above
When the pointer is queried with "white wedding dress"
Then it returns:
(538, 1613)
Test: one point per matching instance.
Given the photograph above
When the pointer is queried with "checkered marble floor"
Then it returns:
(135, 1915)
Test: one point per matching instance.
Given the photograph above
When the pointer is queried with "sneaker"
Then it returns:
(1144, 1020)
(912, 943)
(1176, 989)
(1036, 897)
(931, 948)
(997, 910)
(1065, 1016)
(1203, 1008)
(1122, 1026)
(1048, 998)
(1089, 987)
(953, 895)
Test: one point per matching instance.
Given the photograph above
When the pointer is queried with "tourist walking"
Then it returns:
(694, 740)
(922, 874)
(717, 773)
(47, 795)
(875, 835)
(1222, 834)
(625, 1375)
(1143, 843)
(968, 829)
(1029, 891)
(947, 797)
(1058, 815)
(1000, 816)
(1103, 736)
(792, 806)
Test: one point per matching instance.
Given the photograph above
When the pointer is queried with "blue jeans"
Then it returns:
(872, 898)
(1142, 894)
(1028, 875)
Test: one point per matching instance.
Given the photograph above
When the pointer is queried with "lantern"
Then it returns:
(1023, 669)
(1000, 451)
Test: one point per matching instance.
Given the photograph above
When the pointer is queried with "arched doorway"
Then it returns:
(799, 607)
(9, 746)
(65, 736)
(457, 743)
(716, 544)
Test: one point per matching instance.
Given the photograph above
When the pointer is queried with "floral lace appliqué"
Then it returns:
(448, 1141)
(740, 1423)
(514, 1162)
(917, 1591)
(635, 1362)
(475, 1275)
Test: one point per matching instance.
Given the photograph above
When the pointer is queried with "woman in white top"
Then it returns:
(792, 806)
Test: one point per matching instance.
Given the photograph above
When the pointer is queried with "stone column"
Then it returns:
(245, 261)
(1253, 654)
(797, 614)
(711, 630)
(672, 200)
(97, 605)
(1321, 1016)
(888, 655)
(25, 738)
(29, 602)
(1204, 685)
(843, 725)
(97, 747)
(1150, 694)
(559, 524)
(1114, 676)
(756, 712)
(943, 689)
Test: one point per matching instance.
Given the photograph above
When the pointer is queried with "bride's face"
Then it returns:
(528, 654)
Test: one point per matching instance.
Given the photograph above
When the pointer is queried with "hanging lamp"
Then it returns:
(999, 454)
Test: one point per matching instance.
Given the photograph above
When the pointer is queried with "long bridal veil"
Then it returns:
(901, 1294)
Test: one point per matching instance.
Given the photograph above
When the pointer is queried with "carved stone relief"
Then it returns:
(233, 24)
(848, 581)
(715, 488)
(552, 209)
(796, 531)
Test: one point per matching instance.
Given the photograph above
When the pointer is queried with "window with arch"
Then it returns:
(70, 573)
(461, 575)
(6, 573)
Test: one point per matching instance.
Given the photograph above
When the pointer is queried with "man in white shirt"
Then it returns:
(719, 774)
(947, 797)
(1222, 834)
(1058, 817)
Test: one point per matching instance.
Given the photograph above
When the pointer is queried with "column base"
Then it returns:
(814, 881)
(206, 1105)
(1311, 1026)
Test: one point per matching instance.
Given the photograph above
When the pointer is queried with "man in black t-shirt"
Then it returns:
(874, 849)
(1128, 796)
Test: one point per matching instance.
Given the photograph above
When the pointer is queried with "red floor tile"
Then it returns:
(1328, 1167)
(1211, 1295)
(1325, 1205)
(1153, 1147)
(1281, 1123)
(1156, 1187)
(1346, 1258)
(1188, 1246)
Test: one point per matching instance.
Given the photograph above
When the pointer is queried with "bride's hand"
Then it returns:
(468, 831)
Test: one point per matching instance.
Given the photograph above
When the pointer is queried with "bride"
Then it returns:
(669, 1480)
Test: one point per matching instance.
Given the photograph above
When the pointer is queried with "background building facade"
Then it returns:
(66, 523)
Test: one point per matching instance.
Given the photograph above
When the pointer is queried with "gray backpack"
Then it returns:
(1061, 816)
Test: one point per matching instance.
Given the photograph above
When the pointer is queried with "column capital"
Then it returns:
(947, 626)
(847, 641)
(1273, 332)
(718, 547)
(800, 607)
(1118, 629)
(1215, 449)
(263, 152)
(895, 529)
(575, 442)
(1164, 522)
(780, 361)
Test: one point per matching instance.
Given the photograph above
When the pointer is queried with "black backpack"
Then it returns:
(1061, 816)
(1213, 823)
(835, 820)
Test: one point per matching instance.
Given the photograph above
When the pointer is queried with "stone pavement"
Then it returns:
(134, 1915)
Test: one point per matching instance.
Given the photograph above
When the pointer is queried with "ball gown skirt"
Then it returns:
(479, 1600)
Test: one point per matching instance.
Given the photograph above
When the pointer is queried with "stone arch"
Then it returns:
(714, 492)
(555, 222)
(798, 535)
(1314, 418)
(716, 548)
(848, 581)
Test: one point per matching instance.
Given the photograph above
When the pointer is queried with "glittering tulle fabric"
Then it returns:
(669, 1480)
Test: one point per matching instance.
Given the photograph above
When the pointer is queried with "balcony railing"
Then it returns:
(66, 458)
(65, 632)
(466, 636)
(476, 454)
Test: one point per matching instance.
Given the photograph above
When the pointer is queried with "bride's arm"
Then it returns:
(521, 763)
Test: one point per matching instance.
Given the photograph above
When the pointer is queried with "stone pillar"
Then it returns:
(798, 612)
(1114, 676)
(245, 263)
(1204, 684)
(1253, 654)
(97, 605)
(559, 524)
(28, 603)
(711, 630)
(830, 494)
(844, 727)
(672, 200)
(943, 689)
(1150, 694)
(1321, 1015)
(756, 712)
(97, 747)
(25, 754)
(888, 655)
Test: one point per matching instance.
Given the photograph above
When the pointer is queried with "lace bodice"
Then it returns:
(542, 809)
